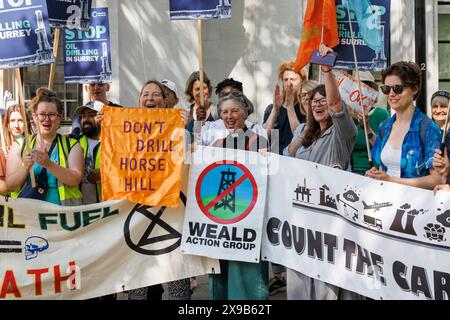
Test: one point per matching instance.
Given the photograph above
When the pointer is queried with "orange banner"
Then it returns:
(319, 14)
(142, 155)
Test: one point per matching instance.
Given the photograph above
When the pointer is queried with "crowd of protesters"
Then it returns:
(306, 120)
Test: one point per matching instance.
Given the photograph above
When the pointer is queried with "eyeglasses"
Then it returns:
(152, 95)
(398, 89)
(319, 102)
(304, 94)
(43, 116)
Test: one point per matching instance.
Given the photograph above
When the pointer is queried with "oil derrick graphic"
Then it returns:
(229, 201)
(106, 70)
(41, 32)
(304, 191)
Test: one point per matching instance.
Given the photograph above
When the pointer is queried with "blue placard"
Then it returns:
(368, 58)
(25, 37)
(87, 54)
(72, 14)
(199, 9)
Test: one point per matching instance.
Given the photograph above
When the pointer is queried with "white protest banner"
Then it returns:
(225, 207)
(379, 239)
(54, 252)
(349, 90)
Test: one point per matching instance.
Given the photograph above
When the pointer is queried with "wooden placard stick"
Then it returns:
(25, 122)
(51, 79)
(200, 62)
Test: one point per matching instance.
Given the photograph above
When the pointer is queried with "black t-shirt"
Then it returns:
(282, 124)
(244, 139)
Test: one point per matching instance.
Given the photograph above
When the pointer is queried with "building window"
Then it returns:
(37, 76)
(444, 45)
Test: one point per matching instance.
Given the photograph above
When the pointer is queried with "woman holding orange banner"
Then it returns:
(153, 95)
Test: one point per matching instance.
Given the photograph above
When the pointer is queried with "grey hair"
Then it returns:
(440, 99)
(237, 99)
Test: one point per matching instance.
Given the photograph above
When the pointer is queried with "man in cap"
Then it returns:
(90, 143)
(97, 91)
(170, 90)
(171, 93)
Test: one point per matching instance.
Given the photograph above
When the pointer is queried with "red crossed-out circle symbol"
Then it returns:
(206, 207)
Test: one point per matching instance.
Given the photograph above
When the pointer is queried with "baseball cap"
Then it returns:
(93, 105)
(171, 85)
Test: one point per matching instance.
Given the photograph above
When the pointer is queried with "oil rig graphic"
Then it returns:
(379, 62)
(224, 8)
(229, 201)
(45, 49)
(105, 75)
(304, 191)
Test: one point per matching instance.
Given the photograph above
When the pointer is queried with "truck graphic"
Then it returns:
(373, 222)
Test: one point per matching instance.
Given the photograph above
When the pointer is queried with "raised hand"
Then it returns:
(278, 98)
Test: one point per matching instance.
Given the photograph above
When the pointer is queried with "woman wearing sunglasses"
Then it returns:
(400, 153)
(328, 139)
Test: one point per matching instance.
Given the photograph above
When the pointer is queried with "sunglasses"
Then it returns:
(398, 89)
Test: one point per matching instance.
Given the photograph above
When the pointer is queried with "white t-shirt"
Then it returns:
(391, 159)
(215, 130)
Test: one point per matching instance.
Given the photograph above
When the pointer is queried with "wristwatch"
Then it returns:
(370, 135)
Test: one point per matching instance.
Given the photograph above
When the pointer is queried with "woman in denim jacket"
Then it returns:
(399, 150)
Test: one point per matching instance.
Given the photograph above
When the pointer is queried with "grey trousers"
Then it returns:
(301, 287)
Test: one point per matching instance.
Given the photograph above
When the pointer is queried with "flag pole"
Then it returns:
(321, 41)
(200, 61)
(51, 79)
(2, 134)
(25, 122)
(198, 124)
(369, 155)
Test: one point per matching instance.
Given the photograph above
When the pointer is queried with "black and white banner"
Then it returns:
(379, 239)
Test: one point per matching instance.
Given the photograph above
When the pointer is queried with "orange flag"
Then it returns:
(141, 155)
(319, 14)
